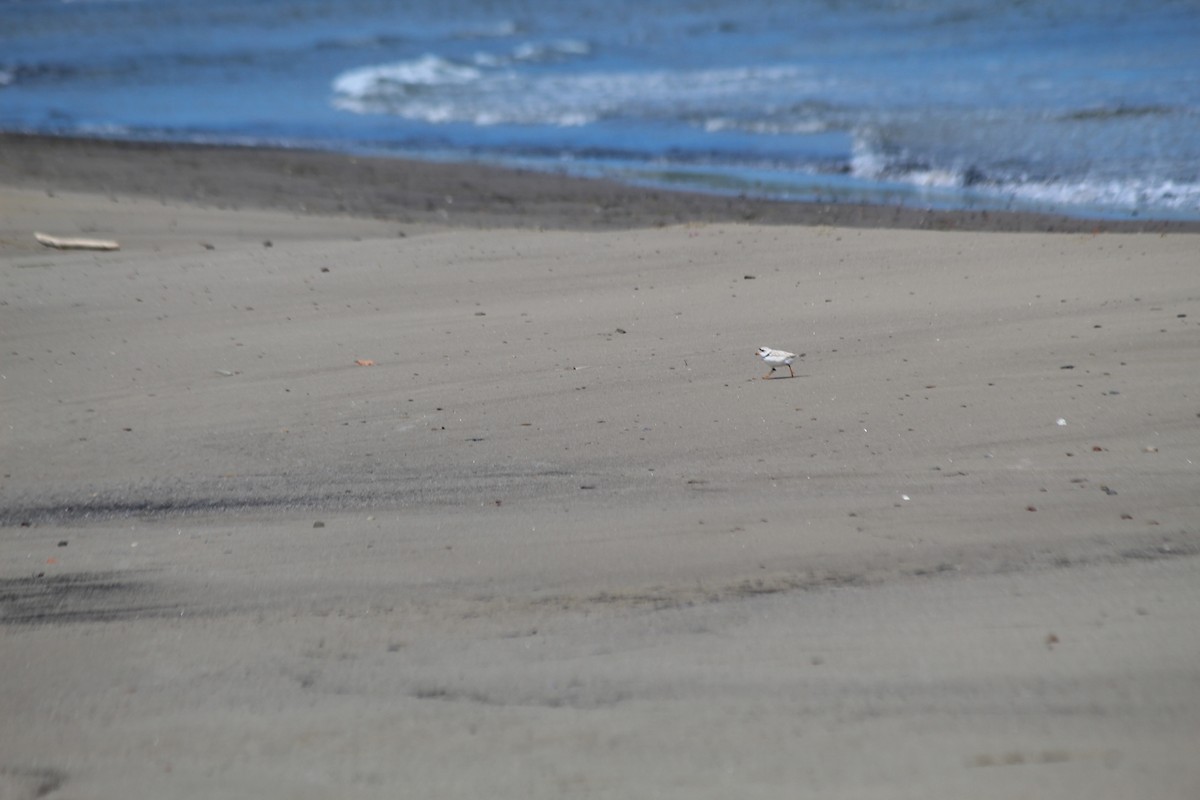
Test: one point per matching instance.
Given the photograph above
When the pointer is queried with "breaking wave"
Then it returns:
(491, 90)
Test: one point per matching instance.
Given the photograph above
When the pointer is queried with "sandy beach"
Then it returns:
(351, 478)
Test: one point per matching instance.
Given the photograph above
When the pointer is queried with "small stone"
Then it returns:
(318, 524)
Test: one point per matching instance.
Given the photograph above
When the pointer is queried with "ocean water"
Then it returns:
(1089, 108)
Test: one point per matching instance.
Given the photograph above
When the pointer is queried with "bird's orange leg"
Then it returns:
(769, 374)
(791, 370)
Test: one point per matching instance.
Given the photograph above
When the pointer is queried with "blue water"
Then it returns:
(1084, 107)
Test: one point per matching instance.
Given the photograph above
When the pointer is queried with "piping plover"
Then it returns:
(777, 357)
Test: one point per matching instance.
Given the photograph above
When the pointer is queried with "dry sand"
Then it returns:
(560, 539)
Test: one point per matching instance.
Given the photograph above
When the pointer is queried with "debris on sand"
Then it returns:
(72, 243)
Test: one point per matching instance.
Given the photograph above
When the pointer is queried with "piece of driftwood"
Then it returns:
(71, 243)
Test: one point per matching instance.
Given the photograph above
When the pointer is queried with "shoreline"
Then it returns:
(457, 194)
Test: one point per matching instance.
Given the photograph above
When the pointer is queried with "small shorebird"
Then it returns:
(777, 357)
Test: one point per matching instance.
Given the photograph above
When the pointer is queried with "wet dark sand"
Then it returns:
(459, 194)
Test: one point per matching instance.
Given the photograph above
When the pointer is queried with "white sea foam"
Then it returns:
(104, 129)
(768, 127)
(491, 92)
(373, 89)
(1124, 195)
(866, 161)
(428, 70)
(551, 51)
